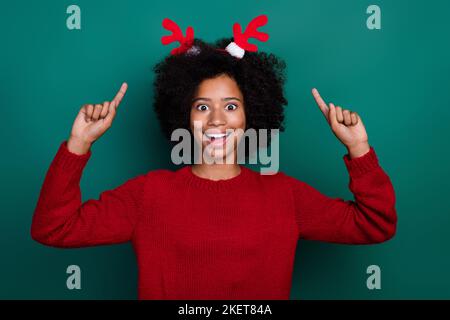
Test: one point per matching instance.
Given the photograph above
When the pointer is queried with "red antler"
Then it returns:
(241, 39)
(177, 35)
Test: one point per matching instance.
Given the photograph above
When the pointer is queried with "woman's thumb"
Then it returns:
(111, 112)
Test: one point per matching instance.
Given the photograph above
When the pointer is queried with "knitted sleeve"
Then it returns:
(369, 218)
(61, 219)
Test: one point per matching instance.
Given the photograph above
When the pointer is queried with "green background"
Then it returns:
(396, 78)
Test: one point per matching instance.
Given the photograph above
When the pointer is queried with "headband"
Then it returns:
(236, 48)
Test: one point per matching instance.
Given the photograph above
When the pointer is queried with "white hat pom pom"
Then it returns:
(235, 50)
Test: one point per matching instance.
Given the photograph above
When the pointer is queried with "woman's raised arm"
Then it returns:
(60, 218)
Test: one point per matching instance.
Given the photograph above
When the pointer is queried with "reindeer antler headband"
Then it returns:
(236, 48)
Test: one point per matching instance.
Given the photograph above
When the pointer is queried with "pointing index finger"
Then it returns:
(118, 98)
(322, 105)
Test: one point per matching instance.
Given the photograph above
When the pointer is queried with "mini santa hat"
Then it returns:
(236, 48)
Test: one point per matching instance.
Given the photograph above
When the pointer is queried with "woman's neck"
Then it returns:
(216, 171)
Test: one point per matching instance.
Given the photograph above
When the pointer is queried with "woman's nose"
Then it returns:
(216, 117)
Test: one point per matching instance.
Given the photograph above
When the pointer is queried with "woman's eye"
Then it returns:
(231, 106)
(202, 107)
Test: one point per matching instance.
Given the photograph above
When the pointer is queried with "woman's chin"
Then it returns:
(218, 152)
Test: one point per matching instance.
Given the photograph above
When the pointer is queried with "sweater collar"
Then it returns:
(193, 180)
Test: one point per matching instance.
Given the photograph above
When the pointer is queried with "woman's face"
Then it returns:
(218, 107)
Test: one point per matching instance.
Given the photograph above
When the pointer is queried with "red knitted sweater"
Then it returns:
(196, 238)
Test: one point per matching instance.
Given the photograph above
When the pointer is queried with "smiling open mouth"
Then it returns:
(217, 137)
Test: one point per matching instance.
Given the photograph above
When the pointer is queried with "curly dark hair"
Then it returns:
(260, 77)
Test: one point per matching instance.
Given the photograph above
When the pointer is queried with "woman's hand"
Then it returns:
(346, 125)
(92, 122)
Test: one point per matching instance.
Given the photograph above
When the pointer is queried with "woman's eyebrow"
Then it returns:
(224, 99)
(231, 98)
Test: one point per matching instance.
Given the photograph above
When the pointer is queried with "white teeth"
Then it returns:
(216, 135)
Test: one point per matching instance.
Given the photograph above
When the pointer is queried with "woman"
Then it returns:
(214, 230)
